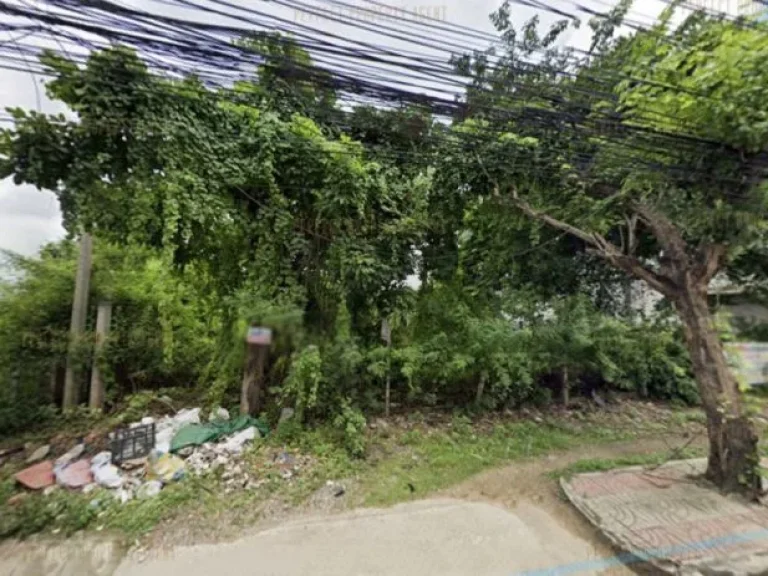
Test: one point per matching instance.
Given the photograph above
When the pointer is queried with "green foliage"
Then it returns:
(161, 333)
(302, 384)
(351, 424)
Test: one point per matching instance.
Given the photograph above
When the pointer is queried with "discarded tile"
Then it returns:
(74, 453)
(39, 454)
(38, 476)
(75, 475)
(17, 499)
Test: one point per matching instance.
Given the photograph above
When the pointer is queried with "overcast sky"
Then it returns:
(29, 218)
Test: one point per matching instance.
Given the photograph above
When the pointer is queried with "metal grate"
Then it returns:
(130, 443)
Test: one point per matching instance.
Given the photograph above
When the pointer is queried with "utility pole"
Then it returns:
(103, 320)
(77, 323)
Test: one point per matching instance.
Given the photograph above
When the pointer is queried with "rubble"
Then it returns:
(38, 476)
(218, 414)
(39, 454)
(75, 474)
(145, 477)
(74, 453)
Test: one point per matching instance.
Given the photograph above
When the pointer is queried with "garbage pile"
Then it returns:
(151, 454)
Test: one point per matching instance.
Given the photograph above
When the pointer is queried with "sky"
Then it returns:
(30, 218)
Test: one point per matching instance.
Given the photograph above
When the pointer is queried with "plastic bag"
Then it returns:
(165, 467)
(236, 442)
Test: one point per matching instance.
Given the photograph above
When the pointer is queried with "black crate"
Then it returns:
(130, 443)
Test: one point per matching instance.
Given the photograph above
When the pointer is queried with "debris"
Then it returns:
(133, 464)
(285, 458)
(187, 416)
(149, 489)
(74, 475)
(186, 452)
(38, 476)
(236, 443)
(74, 453)
(218, 414)
(50, 490)
(104, 472)
(166, 428)
(166, 467)
(135, 442)
(163, 439)
(101, 459)
(199, 434)
(39, 454)
(17, 499)
(286, 414)
(123, 495)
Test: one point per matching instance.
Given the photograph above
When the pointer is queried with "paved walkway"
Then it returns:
(425, 538)
(672, 518)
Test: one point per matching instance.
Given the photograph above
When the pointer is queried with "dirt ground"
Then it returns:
(528, 481)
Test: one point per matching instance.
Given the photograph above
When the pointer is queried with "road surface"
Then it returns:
(443, 537)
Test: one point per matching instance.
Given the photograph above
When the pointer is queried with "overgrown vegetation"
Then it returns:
(218, 209)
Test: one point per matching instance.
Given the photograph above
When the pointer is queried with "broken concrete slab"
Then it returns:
(39, 454)
(38, 476)
(673, 519)
(75, 475)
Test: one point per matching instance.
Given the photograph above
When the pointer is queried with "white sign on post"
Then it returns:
(259, 335)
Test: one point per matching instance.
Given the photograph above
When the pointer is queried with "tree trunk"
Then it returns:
(733, 456)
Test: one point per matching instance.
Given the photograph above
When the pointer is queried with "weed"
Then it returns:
(605, 464)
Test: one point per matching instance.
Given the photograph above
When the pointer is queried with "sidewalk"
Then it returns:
(671, 518)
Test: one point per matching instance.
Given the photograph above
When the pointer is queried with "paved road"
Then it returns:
(425, 538)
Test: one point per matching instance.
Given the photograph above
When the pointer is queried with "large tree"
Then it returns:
(651, 153)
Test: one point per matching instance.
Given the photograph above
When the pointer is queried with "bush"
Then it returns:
(351, 424)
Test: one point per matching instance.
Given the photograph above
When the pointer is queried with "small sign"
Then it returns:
(259, 335)
(386, 332)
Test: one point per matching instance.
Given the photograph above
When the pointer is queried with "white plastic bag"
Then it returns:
(236, 442)
(104, 473)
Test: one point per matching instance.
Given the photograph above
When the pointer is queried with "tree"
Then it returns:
(676, 140)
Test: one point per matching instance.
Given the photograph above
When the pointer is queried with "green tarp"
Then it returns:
(197, 434)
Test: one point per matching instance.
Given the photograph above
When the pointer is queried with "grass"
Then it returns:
(605, 464)
(421, 463)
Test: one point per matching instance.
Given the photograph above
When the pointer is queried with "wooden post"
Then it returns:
(77, 322)
(103, 320)
(565, 391)
(386, 335)
(257, 345)
(251, 389)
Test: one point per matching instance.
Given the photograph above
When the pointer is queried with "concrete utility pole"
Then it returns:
(103, 320)
(77, 323)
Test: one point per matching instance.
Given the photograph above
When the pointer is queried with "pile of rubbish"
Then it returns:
(151, 454)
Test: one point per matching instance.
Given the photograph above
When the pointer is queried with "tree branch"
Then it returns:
(669, 237)
(712, 257)
(602, 247)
